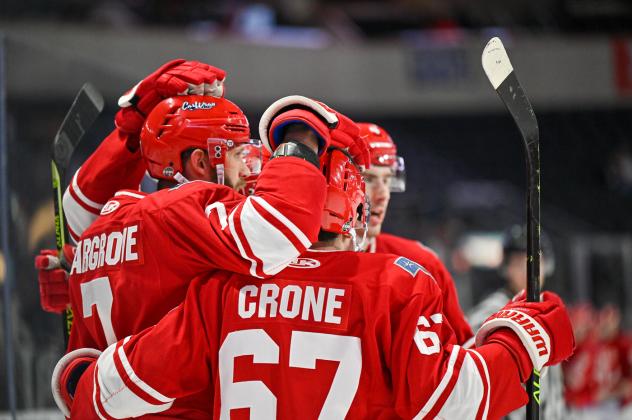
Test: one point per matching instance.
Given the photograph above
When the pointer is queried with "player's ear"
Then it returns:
(197, 166)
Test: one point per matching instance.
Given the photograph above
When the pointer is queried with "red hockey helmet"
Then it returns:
(384, 153)
(182, 123)
(346, 206)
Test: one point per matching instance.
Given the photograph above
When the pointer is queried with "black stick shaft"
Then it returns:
(533, 257)
(520, 109)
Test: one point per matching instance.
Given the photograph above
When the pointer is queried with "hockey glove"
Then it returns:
(537, 334)
(177, 77)
(331, 127)
(53, 279)
(67, 374)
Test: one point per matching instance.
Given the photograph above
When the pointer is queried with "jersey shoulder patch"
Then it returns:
(411, 267)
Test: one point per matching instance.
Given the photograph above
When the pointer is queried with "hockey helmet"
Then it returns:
(384, 153)
(182, 123)
(346, 207)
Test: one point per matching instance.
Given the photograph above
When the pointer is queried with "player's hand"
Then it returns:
(53, 279)
(67, 374)
(332, 127)
(539, 332)
(177, 77)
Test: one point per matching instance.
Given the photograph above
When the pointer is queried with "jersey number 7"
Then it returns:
(98, 292)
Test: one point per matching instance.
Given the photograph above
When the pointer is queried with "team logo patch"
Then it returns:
(109, 207)
(304, 263)
(409, 266)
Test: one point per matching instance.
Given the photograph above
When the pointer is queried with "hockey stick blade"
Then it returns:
(85, 109)
(501, 75)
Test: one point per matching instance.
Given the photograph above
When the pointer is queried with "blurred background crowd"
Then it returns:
(411, 66)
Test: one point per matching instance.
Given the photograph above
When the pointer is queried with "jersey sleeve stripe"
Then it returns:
(482, 367)
(240, 245)
(96, 391)
(267, 242)
(78, 218)
(160, 398)
(295, 230)
(73, 235)
(289, 235)
(116, 396)
(465, 398)
(81, 196)
(86, 207)
(452, 383)
(442, 384)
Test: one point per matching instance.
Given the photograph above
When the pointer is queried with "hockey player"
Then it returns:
(387, 175)
(337, 334)
(514, 271)
(117, 163)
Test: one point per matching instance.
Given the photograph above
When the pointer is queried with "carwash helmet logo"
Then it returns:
(192, 106)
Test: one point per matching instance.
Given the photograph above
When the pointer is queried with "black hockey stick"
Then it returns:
(85, 109)
(502, 77)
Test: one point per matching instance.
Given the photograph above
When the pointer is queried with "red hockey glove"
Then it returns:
(53, 280)
(540, 331)
(332, 127)
(177, 77)
(67, 374)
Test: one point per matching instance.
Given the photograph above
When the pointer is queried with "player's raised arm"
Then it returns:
(434, 377)
(117, 164)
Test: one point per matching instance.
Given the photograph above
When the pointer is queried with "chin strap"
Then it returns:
(219, 170)
(180, 179)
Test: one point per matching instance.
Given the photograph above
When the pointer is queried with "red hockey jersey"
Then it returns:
(335, 335)
(417, 252)
(135, 262)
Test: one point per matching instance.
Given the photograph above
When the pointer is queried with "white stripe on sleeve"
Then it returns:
(81, 195)
(117, 399)
(465, 399)
(489, 388)
(141, 384)
(291, 226)
(78, 218)
(242, 251)
(267, 242)
(444, 382)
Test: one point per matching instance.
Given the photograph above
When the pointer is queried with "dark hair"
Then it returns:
(324, 236)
